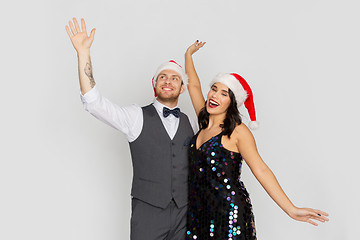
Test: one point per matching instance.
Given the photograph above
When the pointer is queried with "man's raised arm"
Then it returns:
(82, 43)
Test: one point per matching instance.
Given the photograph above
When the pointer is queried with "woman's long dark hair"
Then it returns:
(232, 116)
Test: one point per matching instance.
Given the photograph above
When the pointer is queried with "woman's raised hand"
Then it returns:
(79, 38)
(194, 47)
(308, 215)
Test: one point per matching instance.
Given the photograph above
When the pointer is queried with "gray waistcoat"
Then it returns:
(160, 164)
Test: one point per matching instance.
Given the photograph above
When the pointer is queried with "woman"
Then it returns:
(219, 205)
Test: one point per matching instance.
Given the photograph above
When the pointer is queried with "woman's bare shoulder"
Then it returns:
(241, 131)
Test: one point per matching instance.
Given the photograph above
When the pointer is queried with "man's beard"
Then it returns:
(173, 97)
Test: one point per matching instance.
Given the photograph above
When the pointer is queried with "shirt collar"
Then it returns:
(159, 106)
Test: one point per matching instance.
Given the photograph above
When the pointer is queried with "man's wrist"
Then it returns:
(85, 52)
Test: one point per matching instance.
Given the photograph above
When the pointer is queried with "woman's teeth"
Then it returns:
(213, 103)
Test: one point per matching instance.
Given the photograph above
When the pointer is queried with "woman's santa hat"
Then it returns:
(242, 92)
(171, 65)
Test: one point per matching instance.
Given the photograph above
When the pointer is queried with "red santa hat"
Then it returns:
(242, 92)
(172, 65)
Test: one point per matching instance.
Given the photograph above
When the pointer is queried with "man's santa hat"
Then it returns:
(242, 92)
(171, 65)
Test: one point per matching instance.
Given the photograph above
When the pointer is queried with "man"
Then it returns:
(158, 135)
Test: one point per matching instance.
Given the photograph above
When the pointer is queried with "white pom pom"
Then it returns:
(253, 125)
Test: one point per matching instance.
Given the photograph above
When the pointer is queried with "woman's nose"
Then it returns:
(215, 94)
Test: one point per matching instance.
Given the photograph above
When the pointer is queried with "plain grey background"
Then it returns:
(65, 175)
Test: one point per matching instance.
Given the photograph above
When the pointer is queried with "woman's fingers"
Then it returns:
(319, 215)
(197, 45)
(193, 48)
(310, 215)
(321, 212)
(194, 44)
(316, 215)
(311, 222)
(201, 44)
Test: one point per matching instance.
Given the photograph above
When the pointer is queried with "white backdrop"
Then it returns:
(65, 175)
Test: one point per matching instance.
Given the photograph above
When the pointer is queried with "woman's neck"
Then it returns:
(216, 120)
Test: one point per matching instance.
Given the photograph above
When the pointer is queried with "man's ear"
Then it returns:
(182, 88)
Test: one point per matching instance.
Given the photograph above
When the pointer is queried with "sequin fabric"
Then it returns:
(219, 205)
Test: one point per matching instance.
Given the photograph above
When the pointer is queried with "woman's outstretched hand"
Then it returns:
(308, 215)
(79, 38)
(194, 47)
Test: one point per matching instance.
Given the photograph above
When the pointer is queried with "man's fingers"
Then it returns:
(92, 34)
(83, 26)
(76, 25)
(72, 28)
(68, 31)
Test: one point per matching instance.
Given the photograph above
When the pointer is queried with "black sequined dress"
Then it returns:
(219, 205)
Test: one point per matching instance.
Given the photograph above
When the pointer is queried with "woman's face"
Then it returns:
(218, 99)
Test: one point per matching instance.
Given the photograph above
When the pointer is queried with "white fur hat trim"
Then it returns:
(171, 66)
(231, 82)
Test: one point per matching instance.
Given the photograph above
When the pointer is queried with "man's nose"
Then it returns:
(167, 80)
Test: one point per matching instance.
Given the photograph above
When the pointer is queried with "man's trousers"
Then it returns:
(153, 223)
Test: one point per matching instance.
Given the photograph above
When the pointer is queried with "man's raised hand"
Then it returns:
(79, 38)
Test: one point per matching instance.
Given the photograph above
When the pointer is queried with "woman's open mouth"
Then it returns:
(213, 104)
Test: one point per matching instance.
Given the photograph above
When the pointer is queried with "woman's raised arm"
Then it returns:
(194, 85)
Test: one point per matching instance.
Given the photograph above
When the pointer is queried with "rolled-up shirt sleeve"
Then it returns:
(128, 119)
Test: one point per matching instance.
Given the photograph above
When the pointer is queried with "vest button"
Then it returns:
(173, 155)
(172, 143)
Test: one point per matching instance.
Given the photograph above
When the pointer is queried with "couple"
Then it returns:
(168, 159)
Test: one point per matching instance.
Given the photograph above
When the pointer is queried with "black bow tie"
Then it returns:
(175, 112)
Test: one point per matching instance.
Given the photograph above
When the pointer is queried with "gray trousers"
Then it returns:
(152, 223)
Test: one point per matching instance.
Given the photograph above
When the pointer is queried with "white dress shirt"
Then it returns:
(128, 119)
